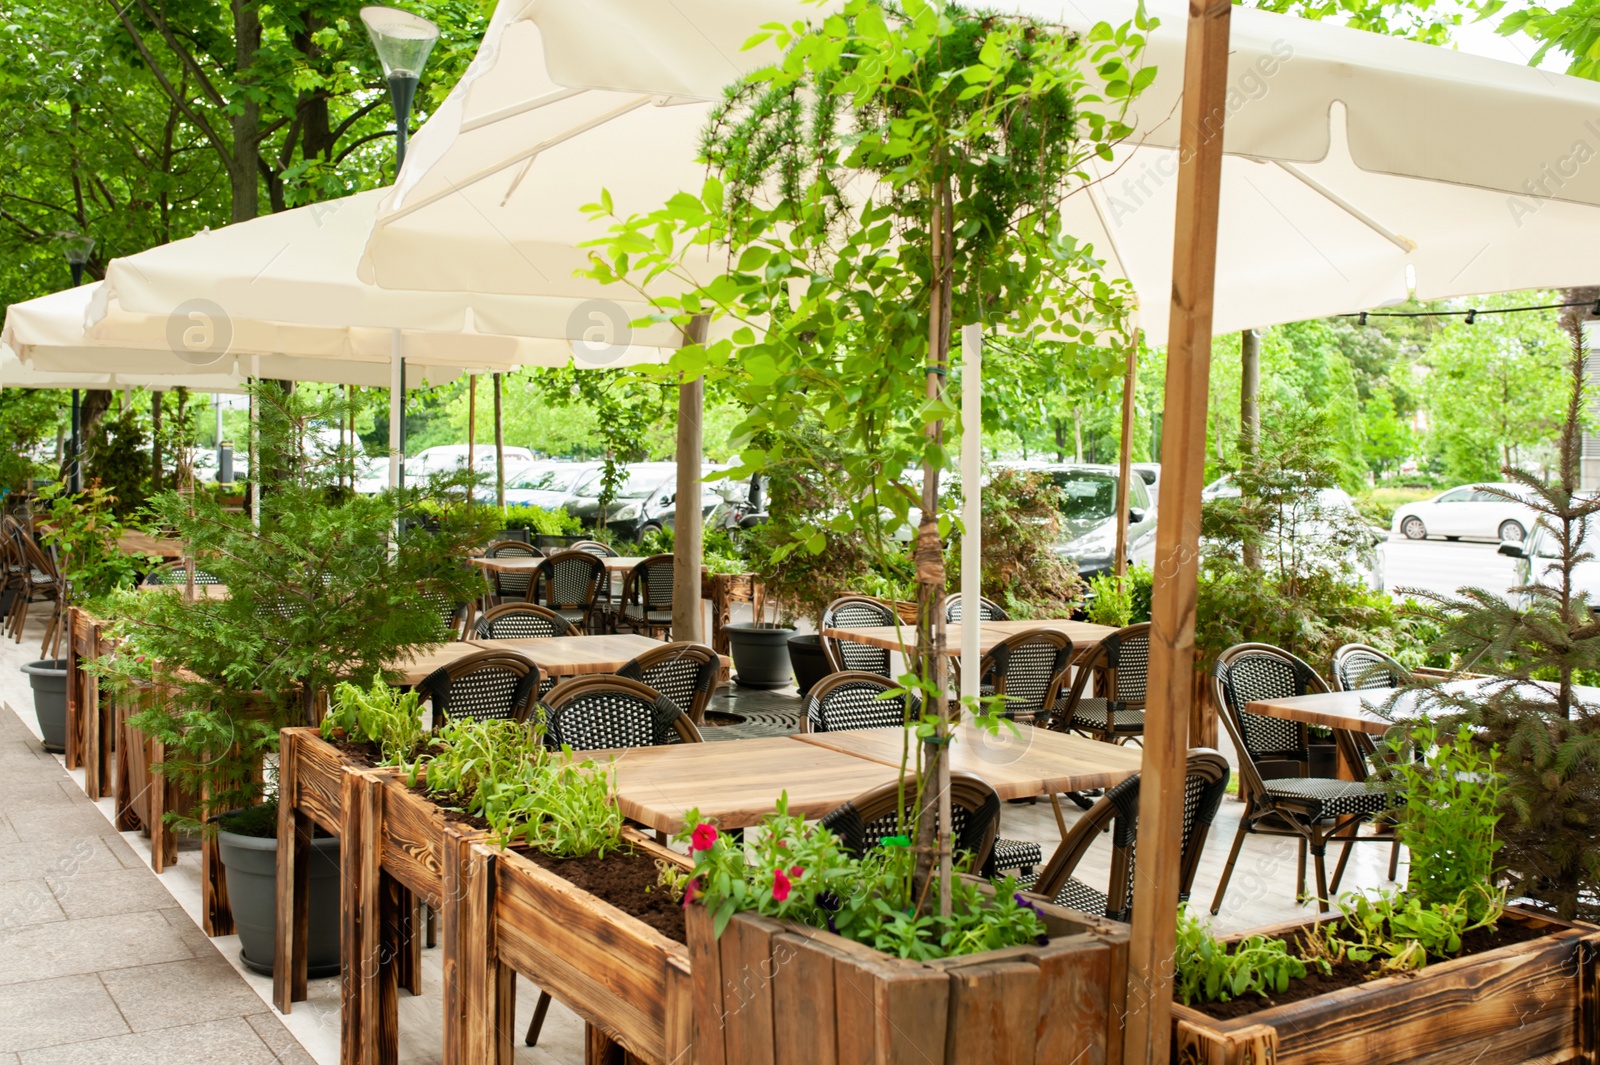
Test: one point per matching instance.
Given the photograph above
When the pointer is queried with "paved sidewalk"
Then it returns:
(97, 961)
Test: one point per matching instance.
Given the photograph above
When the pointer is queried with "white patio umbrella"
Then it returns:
(1359, 168)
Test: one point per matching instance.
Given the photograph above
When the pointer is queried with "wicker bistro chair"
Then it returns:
(854, 700)
(597, 712)
(988, 609)
(871, 817)
(172, 573)
(1316, 810)
(456, 617)
(483, 685)
(521, 621)
(1205, 783)
(686, 673)
(646, 603)
(1358, 667)
(1119, 667)
(595, 548)
(1027, 670)
(572, 583)
(41, 582)
(856, 612)
(507, 585)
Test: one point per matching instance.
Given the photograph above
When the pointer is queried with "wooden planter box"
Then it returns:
(395, 846)
(771, 991)
(723, 590)
(1531, 1002)
(91, 726)
(504, 914)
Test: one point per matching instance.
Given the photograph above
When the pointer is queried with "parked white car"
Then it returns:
(1467, 511)
(1538, 559)
(446, 458)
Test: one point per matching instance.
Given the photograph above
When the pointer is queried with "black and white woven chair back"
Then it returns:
(521, 621)
(1253, 676)
(492, 691)
(854, 701)
(858, 613)
(683, 678)
(572, 579)
(512, 549)
(612, 716)
(867, 820)
(1025, 670)
(1128, 658)
(595, 548)
(173, 574)
(988, 610)
(1357, 667)
(655, 589)
(450, 614)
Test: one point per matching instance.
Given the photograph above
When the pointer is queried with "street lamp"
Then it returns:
(77, 247)
(402, 41)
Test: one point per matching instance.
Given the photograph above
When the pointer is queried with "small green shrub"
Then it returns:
(1112, 603)
(541, 522)
(1452, 797)
(1208, 970)
(381, 714)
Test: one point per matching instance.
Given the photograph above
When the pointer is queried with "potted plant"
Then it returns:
(319, 592)
(83, 529)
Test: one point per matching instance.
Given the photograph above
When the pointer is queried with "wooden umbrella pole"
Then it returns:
(472, 421)
(687, 516)
(1170, 688)
(1125, 457)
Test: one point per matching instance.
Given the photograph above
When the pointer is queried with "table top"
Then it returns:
(201, 591)
(904, 638)
(516, 563)
(1358, 711)
(737, 782)
(414, 667)
(139, 543)
(570, 656)
(1030, 761)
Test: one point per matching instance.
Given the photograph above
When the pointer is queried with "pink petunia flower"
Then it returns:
(691, 891)
(702, 838)
(780, 885)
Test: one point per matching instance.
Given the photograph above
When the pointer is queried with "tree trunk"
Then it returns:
(245, 161)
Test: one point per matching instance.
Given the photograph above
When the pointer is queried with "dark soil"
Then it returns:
(1353, 974)
(621, 879)
(364, 755)
(451, 805)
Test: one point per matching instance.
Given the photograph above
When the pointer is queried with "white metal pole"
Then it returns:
(255, 446)
(397, 404)
(971, 504)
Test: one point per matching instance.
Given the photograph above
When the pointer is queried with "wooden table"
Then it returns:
(571, 656)
(1358, 711)
(736, 782)
(1031, 761)
(138, 543)
(415, 667)
(904, 638)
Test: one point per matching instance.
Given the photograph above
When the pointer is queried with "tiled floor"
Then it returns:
(101, 960)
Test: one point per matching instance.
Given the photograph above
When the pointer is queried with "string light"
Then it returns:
(1593, 307)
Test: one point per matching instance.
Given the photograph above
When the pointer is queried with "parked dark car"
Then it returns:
(646, 500)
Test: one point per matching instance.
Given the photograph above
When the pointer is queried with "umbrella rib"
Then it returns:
(526, 155)
(520, 108)
(1405, 244)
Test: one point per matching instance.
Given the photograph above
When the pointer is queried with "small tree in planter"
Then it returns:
(1538, 645)
(897, 173)
(321, 591)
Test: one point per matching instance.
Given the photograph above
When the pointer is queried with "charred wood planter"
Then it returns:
(1534, 1001)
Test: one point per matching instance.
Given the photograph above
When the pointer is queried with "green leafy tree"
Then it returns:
(321, 592)
(897, 173)
(1494, 389)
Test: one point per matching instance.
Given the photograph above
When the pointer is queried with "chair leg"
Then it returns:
(1300, 872)
(1318, 856)
(1338, 869)
(543, 1007)
(1394, 858)
(1227, 870)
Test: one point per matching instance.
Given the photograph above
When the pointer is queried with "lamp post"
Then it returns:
(77, 248)
(402, 41)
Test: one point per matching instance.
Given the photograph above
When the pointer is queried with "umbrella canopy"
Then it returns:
(14, 374)
(47, 336)
(1360, 168)
(287, 284)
